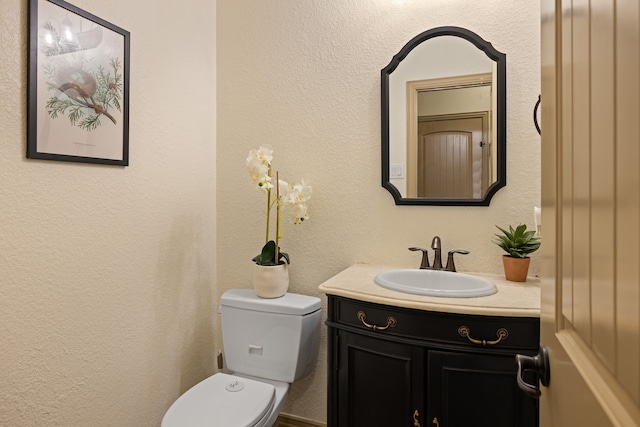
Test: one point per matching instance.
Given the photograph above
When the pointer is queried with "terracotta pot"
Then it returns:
(515, 269)
(271, 281)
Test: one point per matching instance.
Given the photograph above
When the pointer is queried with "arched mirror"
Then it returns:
(444, 120)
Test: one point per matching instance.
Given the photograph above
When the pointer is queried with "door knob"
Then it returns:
(539, 364)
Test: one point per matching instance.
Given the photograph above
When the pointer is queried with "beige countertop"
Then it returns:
(512, 299)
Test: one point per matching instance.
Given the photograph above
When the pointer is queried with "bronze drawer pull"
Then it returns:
(435, 421)
(391, 322)
(501, 333)
(416, 423)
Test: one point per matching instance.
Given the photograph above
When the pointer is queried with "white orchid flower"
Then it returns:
(292, 197)
(259, 166)
(299, 213)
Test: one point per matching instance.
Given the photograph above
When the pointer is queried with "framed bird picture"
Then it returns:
(78, 92)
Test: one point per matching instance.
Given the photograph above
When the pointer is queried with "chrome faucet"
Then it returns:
(436, 245)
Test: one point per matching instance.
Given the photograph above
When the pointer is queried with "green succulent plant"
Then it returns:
(518, 242)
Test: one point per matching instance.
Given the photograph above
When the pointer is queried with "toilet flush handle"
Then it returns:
(255, 349)
(220, 360)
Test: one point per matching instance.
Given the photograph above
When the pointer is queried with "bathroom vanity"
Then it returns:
(398, 359)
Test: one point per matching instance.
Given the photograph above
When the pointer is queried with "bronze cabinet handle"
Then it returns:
(391, 322)
(416, 423)
(501, 333)
(435, 421)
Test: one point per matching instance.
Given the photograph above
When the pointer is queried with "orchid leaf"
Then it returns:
(268, 255)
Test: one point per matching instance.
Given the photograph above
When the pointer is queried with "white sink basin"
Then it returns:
(435, 283)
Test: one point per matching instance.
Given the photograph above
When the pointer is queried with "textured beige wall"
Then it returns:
(304, 77)
(107, 273)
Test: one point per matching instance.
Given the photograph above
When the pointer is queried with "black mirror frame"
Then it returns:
(501, 131)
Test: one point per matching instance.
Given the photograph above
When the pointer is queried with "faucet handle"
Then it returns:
(425, 257)
(451, 266)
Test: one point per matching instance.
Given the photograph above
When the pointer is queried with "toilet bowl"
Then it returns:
(269, 343)
(225, 400)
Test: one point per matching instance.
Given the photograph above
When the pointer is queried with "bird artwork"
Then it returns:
(81, 90)
(85, 97)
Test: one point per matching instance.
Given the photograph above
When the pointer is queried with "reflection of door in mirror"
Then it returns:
(451, 161)
(449, 138)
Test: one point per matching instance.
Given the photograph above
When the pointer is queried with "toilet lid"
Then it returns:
(222, 400)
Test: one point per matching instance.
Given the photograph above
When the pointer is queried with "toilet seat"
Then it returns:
(223, 400)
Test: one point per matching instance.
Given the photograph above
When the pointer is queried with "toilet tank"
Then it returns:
(276, 339)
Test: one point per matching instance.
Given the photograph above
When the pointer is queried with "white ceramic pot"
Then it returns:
(271, 281)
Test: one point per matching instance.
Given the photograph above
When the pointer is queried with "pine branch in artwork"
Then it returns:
(75, 114)
(84, 96)
(90, 123)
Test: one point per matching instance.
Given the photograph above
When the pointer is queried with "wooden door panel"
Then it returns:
(602, 183)
(627, 128)
(591, 209)
(431, 176)
(566, 157)
(445, 168)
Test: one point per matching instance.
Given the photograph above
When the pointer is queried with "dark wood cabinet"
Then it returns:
(468, 389)
(395, 367)
(378, 374)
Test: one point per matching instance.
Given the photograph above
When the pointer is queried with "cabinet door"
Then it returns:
(380, 383)
(466, 389)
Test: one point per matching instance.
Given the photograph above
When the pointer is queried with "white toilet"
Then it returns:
(268, 344)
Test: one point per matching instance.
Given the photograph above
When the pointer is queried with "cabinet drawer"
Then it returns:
(459, 329)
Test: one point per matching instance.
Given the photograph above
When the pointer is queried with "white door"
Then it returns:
(590, 320)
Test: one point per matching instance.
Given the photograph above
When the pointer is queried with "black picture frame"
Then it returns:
(78, 90)
(501, 115)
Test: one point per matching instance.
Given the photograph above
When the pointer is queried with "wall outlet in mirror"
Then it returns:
(397, 171)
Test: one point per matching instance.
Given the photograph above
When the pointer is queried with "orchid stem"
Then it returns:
(277, 218)
(268, 209)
